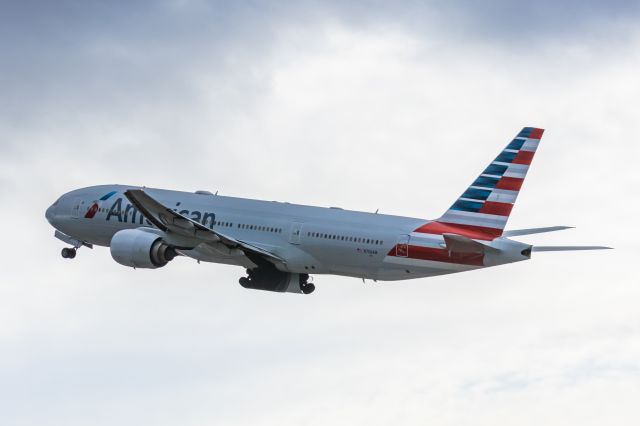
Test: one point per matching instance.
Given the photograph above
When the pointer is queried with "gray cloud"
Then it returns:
(362, 105)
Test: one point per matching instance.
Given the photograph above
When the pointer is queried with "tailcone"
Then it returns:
(508, 251)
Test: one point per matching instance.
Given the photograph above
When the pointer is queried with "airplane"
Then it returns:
(281, 244)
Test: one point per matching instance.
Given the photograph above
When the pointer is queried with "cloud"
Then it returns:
(361, 105)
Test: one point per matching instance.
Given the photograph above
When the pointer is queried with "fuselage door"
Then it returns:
(402, 248)
(75, 209)
(296, 232)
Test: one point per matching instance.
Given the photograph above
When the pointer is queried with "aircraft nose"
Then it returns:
(50, 214)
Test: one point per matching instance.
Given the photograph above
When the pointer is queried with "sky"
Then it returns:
(395, 106)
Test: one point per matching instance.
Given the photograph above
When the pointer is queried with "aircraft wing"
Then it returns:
(171, 221)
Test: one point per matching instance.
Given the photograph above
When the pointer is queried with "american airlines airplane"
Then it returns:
(281, 244)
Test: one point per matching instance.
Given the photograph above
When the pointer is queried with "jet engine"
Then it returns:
(140, 249)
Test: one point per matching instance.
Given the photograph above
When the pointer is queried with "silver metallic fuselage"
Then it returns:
(313, 240)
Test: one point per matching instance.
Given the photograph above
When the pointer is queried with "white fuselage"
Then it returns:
(313, 240)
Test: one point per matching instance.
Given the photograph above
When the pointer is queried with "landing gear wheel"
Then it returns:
(68, 253)
(244, 281)
(307, 288)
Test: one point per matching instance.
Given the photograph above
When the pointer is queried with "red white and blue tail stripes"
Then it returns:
(480, 213)
(485, 206)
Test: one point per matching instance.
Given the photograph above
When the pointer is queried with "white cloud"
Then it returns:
(332, 113)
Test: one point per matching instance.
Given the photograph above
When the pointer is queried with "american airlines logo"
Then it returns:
(127, 213)
(91, 212)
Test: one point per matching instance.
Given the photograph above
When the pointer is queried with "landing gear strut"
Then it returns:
(68, 253)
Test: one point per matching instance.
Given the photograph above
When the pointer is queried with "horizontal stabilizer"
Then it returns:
(569, 248)
(529, 231)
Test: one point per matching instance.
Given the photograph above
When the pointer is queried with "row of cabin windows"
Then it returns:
(345, 238)
(225, 224)
(260, 228)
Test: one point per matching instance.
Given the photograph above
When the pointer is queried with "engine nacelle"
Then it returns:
(140, 249)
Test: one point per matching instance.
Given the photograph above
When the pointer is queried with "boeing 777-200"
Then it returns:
(280, 244)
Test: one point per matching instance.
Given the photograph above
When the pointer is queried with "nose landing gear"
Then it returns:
(68, 253)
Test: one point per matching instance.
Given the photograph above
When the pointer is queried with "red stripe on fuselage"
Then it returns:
(441, 255)
(509, 183)
(470, 231)
(501, 209)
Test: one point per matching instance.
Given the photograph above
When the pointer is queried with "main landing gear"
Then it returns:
(305, 286)
(269, 278)
(69, 253)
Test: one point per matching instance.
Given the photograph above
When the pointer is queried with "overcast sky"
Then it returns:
(394, 106)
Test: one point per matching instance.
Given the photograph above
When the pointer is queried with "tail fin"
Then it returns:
(485, 206)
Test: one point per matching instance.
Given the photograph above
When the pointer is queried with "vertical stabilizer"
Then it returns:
(485, 206)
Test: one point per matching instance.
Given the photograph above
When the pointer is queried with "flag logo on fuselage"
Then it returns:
(91, 212)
